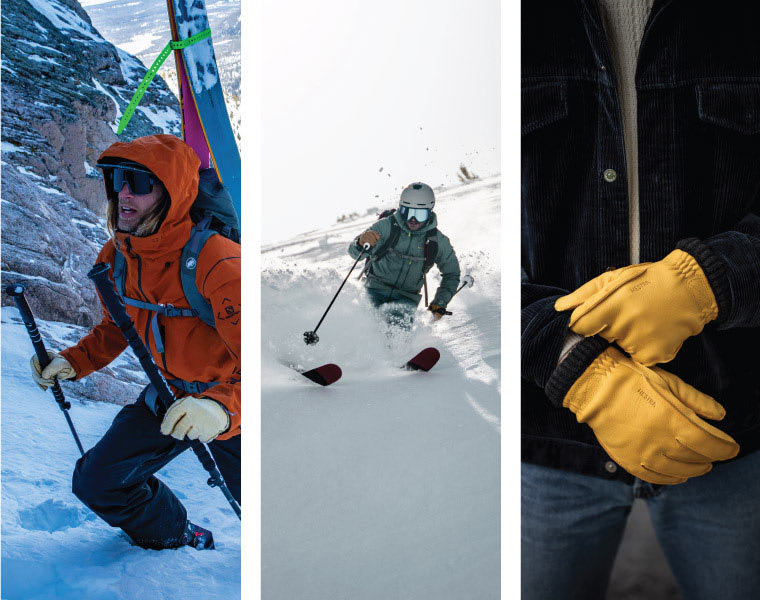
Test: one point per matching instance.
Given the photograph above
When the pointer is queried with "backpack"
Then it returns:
(213, 213)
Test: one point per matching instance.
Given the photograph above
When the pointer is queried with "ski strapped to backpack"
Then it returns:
(213, 213)
(151, 73)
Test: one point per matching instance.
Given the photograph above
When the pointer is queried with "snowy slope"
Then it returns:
(52, 545)
(385, 484)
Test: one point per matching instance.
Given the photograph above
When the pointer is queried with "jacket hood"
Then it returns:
(176, 165)
(430, 224)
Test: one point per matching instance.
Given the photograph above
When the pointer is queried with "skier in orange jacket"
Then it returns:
(151, 184)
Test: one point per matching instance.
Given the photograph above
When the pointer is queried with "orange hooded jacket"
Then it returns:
(193, 351)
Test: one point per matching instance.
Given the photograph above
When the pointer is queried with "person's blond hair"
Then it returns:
(149, 223)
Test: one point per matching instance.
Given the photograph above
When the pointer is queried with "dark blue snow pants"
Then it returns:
(115, 478)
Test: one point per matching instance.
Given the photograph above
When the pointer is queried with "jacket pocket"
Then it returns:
(733, 106)
(543, 104)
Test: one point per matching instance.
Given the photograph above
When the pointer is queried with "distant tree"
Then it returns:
(464, 174)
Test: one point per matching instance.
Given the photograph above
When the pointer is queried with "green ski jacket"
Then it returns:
(400, 271)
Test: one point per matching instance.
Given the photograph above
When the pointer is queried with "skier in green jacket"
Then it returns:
(403, 247)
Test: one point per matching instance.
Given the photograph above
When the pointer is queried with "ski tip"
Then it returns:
(424, 360)
(324, 375)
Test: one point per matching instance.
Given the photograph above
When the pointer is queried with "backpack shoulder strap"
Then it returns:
(188, 263)
(431, 248)
(119, 271)
(390, 242)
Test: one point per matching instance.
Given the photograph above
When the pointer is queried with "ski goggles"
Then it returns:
(420, 214)
(139, 181)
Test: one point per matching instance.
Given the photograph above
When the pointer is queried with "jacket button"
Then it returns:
(610, 175)
(610, 467)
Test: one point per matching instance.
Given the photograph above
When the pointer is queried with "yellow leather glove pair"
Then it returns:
(648, 420)
(199, 418)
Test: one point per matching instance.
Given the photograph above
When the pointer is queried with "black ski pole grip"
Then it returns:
(115, 307)
(16, 291)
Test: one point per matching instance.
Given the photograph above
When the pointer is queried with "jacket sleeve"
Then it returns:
(543, 330)
(383, 227)
(543, 334)
(731, 262)
(221, 287)
(104, 342)
(448, 264)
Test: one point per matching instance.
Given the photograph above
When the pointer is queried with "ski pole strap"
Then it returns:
(151, 73)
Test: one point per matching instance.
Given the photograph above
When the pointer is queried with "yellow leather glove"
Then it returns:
(57, 368)
(648, 309)
(648, 420)
(197, 418)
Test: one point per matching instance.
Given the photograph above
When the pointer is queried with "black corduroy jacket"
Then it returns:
(698, 114)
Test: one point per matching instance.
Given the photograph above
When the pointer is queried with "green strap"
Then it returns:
(181, 45)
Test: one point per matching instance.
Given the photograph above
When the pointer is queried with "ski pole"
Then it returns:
(99, 275)
(16, 291)
(311, 337)
(366, 268)
(467, 281)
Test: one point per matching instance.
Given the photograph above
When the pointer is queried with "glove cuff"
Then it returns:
(714, 270)
(226, 412)
(568, 371)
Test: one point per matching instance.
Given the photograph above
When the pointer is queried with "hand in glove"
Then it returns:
(648, 420)
(438, 311)
(197, 418)
(370, 237)
(648, 309)
(57, 368)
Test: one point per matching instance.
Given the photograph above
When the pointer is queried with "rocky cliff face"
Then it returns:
(64, 91)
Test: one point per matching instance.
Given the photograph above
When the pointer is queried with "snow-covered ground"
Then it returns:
(52, 545)
(385, 484)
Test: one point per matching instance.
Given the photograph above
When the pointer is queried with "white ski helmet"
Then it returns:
(418, 195)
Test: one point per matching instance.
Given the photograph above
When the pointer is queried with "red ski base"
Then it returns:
(324, 375)
(424, 361)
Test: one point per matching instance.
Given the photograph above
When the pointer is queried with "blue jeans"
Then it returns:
(708, 528)
(398, 311)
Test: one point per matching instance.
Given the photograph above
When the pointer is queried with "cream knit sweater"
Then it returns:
(624, 22)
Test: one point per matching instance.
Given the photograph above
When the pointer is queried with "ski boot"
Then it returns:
(197, 537)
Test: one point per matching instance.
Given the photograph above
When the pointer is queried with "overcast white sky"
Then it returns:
(411, 86)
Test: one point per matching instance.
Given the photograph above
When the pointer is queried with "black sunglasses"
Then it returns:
(138, 181)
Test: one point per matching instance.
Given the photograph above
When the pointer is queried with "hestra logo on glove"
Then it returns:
(639, 286)
(646, 397)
